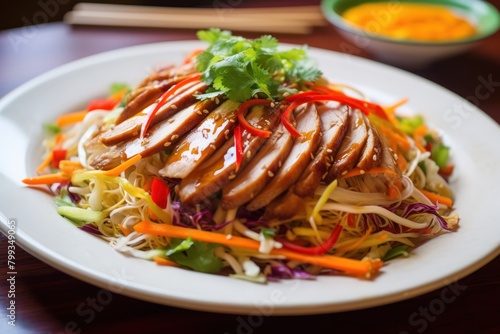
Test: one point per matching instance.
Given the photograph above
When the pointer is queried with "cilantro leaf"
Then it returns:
(242, 68)
(197, 255)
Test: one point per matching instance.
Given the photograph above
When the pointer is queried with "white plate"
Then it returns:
(52, 239)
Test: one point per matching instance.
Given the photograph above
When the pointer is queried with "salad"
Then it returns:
(246, 161)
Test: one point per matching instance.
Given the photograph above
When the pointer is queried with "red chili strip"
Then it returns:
(365, 106)
(285, 117)
(164, 98)
(238, 145)
(242, 111)
(318, 250)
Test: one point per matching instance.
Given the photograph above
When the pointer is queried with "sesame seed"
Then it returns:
(199, 112)
(374, 157)
(252, 195)
(324, 175)
(361, 172)
(270, 174)
(344, 172)
(171, 120)
(396, 157)
(174, 137)
(376, 150)
(135, 133)
(280, 132)
(272, 104)
(213, 147)
(232, 120)
(205, 111)
(167, 144)
(312, 156)
(249, 154)
(329, 150)
(228, 236)
(173, 106)
(280, 164)
(217, 101)
(232, 176)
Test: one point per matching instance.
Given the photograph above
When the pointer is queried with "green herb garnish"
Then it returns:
(242, 68)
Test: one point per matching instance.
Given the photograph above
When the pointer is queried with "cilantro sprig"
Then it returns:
(241, 68)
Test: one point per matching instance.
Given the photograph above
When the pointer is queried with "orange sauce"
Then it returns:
(410, 21)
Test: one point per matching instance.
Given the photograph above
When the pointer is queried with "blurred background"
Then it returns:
(20, 13)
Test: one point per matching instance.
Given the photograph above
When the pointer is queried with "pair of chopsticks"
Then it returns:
(291, 20)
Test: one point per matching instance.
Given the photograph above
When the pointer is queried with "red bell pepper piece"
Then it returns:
(58, 154)
(105, 104)
(159, 192)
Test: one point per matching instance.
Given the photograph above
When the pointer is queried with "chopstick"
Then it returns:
(294, 20)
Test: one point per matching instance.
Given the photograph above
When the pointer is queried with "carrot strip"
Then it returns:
(358, 242)
(419, 135)
(374, 170)
(351, 266)
(123, 166)
(71, 118)
(46, 179)
(124, 230)
(437, 198)
(164, 262)
(45, 163)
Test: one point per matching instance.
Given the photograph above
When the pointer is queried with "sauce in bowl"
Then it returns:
(410, 21)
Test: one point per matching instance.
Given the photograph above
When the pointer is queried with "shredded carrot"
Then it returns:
(418, 136)
(45, 163)
(68, 167)
(358, 242)
(71, 118)
(391, 110)
(124, 230)
(398, 139)
(118, 96)
(375, 170)
(123, 166)
(164, 262)
(351, 266)
(437, 198)
(401, 161)
(394, 189)
(46, 179)
(58, 141)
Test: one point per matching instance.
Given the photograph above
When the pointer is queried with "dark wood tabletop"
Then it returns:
(49, 301)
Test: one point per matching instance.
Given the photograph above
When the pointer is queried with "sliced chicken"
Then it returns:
(201, 142)
(334, 124)
(372, 152)
(131, 127)
(351, 148)
(143, 97)
(286, 206)
(259, 171)
(217, 171)
(309, 125)
(162, 136)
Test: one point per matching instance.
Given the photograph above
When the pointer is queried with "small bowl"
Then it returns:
(412, 54)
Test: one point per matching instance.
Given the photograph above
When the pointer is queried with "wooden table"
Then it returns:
(48, 301)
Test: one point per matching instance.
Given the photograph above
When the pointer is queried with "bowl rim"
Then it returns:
(327, 8)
